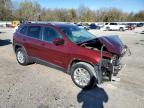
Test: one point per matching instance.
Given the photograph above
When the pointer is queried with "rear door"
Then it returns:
(32, 41)
(114, 26)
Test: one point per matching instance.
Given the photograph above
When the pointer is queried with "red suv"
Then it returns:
(87, 58)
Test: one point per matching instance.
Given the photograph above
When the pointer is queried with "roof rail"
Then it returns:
(45, 22)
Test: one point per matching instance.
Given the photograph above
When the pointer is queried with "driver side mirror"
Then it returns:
(58, 41)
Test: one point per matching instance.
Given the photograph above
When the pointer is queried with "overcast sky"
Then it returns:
(124, 5)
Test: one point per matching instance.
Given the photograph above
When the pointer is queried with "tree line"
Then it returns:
(32, 11)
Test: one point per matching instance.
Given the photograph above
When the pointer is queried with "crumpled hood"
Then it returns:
(112, 43)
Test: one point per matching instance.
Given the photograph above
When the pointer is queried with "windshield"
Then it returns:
(76, 34)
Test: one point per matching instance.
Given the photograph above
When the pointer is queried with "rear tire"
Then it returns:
(22, 57)
(107, 29)
(121, 29)
(82, 75)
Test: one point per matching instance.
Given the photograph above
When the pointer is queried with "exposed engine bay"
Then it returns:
(108, 67)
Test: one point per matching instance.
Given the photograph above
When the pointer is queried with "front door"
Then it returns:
(56, 54)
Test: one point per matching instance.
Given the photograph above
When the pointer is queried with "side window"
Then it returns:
(23, 30)
(115, 23)
(106, 23)
(111, 23)
(50, 34)
(34, 31)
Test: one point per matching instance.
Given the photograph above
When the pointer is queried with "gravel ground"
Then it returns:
(39, 86)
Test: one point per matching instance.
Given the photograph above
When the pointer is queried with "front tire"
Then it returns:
(22, 57)
(107, 29)
(82, 75)
(121, 29)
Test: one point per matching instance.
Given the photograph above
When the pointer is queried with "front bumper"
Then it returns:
(111, 67)
(107, 69)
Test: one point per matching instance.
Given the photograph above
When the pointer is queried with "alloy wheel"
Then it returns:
(81, 76)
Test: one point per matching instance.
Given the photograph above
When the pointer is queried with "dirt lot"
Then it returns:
(38, 86)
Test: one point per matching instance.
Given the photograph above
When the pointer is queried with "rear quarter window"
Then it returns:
(23, 30)
(34, 31)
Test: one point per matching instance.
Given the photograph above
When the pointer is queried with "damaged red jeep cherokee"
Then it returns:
(87, 58)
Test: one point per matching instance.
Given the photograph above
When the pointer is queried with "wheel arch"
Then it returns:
(89, 65)
(17, 46)
(74, 61)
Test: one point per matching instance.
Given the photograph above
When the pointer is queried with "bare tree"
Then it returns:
(30, 10)
(6, 10)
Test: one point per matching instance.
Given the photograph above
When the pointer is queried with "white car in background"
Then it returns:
(115, 26)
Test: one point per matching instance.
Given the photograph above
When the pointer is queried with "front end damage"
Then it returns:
(108, 67)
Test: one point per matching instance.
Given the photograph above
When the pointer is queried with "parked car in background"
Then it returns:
(130, 26)
(101, 25)
(94, 26)
(83, 26)
(140, 24)
(115, 26)
(15, 23)
(9, 26)
(87, 58)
